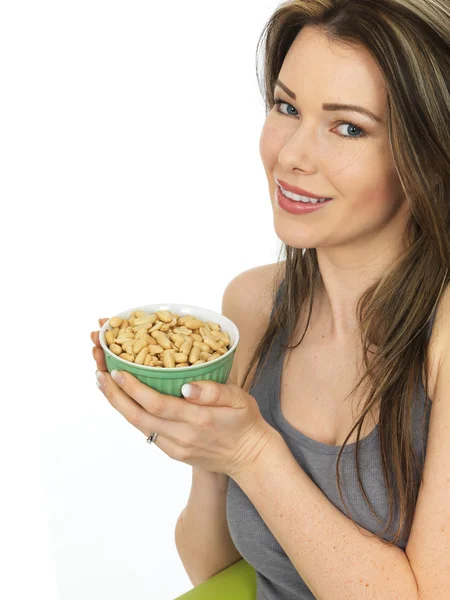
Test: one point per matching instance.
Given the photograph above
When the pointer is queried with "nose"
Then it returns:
(297, 151)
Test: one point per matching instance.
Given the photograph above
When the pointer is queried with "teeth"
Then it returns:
(298, 198)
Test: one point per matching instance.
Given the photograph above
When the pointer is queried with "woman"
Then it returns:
(343, 416)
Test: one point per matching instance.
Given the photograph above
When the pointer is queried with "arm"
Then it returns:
(334, 559)
(202, 536)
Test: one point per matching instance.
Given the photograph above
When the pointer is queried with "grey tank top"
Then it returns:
(276, 577)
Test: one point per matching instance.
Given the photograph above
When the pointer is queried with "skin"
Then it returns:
(97, 351)
(359, 234)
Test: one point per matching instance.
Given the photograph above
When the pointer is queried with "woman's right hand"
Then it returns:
(97, 350)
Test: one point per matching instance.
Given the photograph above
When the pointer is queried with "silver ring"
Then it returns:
(151, 438)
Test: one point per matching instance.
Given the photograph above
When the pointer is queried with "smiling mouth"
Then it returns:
(300, 198)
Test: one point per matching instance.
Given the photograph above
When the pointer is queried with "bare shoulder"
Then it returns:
(440, 337)
(251, 290)
(247, 301)
(439, 340)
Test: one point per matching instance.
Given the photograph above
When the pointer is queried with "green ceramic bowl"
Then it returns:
(170, 381)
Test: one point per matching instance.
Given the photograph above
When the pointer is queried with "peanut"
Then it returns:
(141, 333)
(165, 316)
(183, 330)
(205, 331)
(168, 326)
(116, 349)
(162, 339)
(155, 349)
(213, 344)
(193, 324)
(186, 347)
(109, 337)
(128, 347)
(181, 320)
(202, 346)
(139, 345)
(165, 340)
(144, 320)
(128, 335)
(194, 354)
(218, 335)
(115, 322)
(139, 360)
(168, 360)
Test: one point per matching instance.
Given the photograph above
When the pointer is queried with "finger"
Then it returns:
(170, 434)
(95, 337)
(99, 357)
(164, 406)
(174, 449)
(137, 416)
(171, 448)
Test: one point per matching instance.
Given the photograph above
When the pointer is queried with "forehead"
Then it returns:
(316, 67)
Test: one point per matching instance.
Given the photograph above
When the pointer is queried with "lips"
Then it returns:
(295, 190)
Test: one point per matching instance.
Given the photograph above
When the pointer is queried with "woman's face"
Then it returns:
(302, 147)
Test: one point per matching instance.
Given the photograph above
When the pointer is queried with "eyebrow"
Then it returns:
(335, 107)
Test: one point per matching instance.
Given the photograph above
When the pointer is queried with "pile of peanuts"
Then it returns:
(166, 340)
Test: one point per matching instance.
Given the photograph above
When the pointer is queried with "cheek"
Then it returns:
(371, 205)
(379, 185)
(385, 201)
(270, 144)
(368, 177)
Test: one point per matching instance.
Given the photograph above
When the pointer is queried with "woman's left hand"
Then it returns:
(221, 431)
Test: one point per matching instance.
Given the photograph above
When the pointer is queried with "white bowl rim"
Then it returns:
(172, 307)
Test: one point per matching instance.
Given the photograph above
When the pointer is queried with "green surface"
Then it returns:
(237, 582)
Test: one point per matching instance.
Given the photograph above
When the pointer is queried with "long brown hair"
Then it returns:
(409, 40)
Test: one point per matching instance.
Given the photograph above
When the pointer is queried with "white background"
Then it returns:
(130, 174)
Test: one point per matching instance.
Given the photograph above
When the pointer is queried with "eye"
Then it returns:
(352, 125)
(278, 102)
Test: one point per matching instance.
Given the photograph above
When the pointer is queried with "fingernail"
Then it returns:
(100, 378)
(190, 391)
(118, 378)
